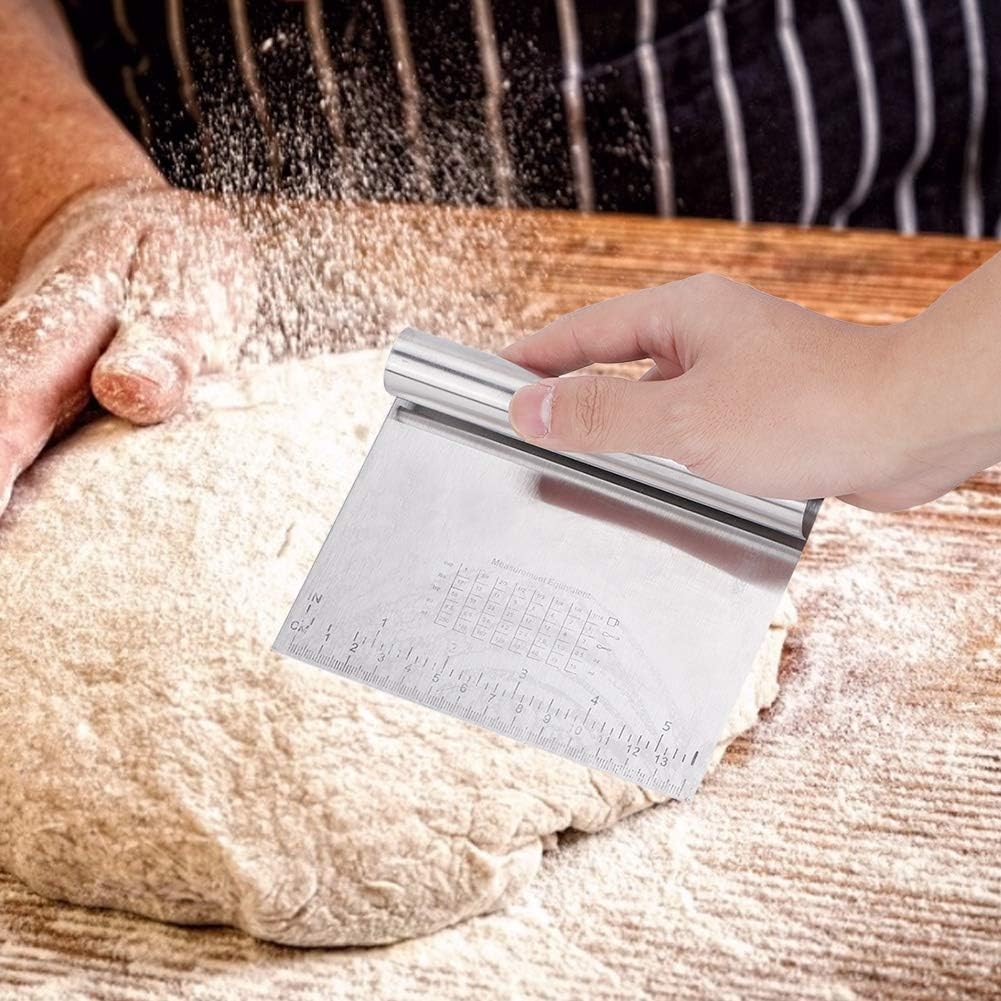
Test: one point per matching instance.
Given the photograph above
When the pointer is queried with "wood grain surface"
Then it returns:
(849, 847)
(870, 277)
(485, 275)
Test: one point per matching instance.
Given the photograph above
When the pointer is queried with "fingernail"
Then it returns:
(531, 409)
(9, 470)
(155, 368)
(142, 388)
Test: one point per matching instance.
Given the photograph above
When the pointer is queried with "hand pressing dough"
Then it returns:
(157, 757)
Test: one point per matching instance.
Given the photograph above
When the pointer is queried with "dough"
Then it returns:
(159, 758)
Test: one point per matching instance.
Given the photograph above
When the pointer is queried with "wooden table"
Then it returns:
(854, 837)
(483, 276)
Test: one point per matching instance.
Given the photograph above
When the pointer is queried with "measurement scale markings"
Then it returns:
(470, 595)
(502, 606)
(521, 621)
(580, 636)
(448, 593)
(486, 605)
(387, 676)
(538, 630)
(559, 632)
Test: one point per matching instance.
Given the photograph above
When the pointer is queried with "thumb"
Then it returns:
(145, 373)
(177, 306)
(604, 414)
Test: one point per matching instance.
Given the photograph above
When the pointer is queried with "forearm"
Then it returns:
(59, 137)
(954, 351)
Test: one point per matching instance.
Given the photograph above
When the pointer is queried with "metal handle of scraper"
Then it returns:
(476, 387)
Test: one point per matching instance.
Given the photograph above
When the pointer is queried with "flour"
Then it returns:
(138, 287)
(337, 276)
(326, 194)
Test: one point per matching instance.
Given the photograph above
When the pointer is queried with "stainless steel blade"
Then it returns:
(561, 602)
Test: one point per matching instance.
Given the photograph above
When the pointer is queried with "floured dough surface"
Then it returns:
(159, 758)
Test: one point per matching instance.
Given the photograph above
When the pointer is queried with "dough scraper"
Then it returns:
(606, 608)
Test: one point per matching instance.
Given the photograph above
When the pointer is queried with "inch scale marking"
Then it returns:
(499, 652)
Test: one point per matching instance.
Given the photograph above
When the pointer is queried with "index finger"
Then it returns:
(627, 328)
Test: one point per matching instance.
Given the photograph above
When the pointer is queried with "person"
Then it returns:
(123, 280)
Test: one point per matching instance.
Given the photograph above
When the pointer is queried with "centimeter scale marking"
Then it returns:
(620, 744)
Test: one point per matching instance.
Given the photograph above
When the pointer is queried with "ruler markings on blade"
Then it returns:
(556, 730)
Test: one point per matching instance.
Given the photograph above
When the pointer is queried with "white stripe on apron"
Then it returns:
(493, 82)
(573, 105)
(733, 123)
(129, 72)
(806, 119)
(248, 71)
(179, 52)
(653, 96)
(122, 22)
(182, 64)
(399, 37)
(868, 101)
(973, 206)
(323, 63)
(924, 117)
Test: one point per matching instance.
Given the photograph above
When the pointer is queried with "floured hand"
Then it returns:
(127, 293)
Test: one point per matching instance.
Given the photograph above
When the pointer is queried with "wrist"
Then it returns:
(943, 382)
(952, 367)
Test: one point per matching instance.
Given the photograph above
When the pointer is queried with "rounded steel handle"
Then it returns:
(476, 387)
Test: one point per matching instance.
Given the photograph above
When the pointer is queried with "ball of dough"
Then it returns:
(159, 758)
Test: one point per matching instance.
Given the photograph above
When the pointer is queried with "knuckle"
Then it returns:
(709, 283)
(589, 416)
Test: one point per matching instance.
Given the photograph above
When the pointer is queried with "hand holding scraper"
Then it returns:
(758, 394)
(598, 586)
